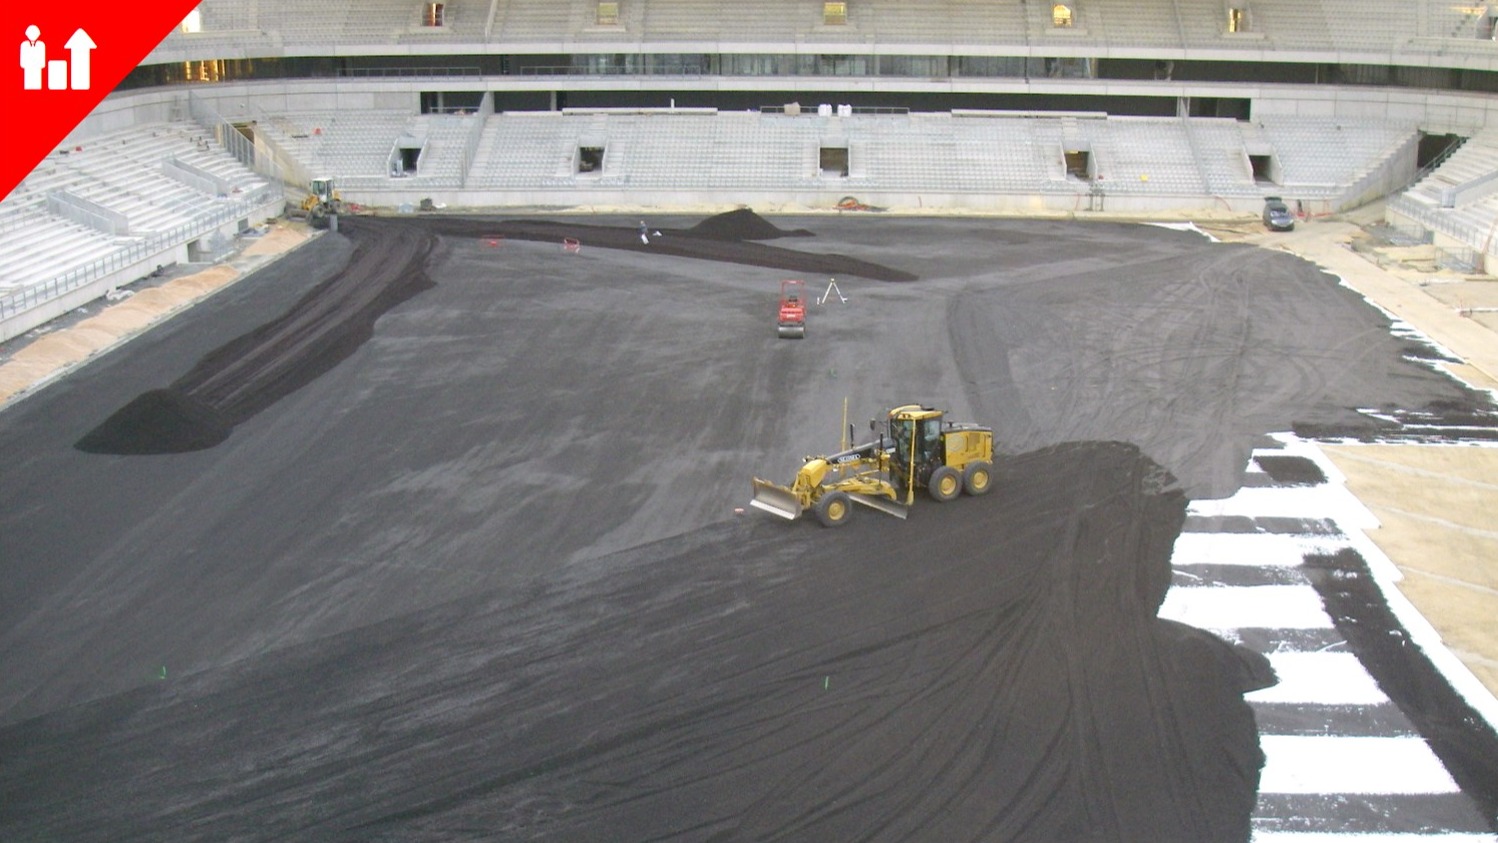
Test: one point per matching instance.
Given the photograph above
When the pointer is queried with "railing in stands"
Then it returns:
(234, 141)
(688, 71)
(380, 72)
(134, 253)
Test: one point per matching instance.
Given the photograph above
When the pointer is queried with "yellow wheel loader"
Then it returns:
(917, 449)
(322, 204)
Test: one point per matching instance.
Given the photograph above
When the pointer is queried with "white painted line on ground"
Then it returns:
(1333, 837)
(1186, 226)
(1387, 575)
(1322, 678)
(1293, 446)
(1326, 501)
(1239, 607)
(1250, 549)
(1425, 636)
(1321, 764)
(1330, 500)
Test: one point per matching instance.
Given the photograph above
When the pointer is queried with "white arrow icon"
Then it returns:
(79, 45)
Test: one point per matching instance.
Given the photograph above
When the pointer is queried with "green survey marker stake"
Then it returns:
(163, 672)
(825, 680)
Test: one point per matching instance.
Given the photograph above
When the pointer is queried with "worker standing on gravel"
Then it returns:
(644, 233)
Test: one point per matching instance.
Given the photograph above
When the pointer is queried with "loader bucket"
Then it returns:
(776, 500)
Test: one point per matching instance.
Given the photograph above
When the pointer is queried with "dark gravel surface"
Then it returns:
(463, 561)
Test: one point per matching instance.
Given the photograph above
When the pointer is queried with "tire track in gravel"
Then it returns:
(992, 669)
(1190, 357)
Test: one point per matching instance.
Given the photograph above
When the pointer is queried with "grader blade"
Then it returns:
(776, 500)
(881, 504)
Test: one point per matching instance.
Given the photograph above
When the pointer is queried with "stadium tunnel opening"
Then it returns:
(1266, 168)
(1078, 163)
(590, 158)
(833, 161)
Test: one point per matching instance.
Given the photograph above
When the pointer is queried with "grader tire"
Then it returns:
(977, 478)
(946, 484)
(833, 509)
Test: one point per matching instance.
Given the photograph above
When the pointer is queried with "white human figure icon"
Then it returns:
(33, 58)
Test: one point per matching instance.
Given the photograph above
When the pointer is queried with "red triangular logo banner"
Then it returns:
(71, 56)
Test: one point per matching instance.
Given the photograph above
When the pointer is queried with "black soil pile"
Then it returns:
(162, 421)
(244, 376)
(726, 238)
(742, 224)
(992, 669)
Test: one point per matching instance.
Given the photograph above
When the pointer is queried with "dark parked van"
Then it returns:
(1277, 216)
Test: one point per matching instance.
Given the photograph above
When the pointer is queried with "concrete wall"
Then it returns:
(791, 201)
(1434, 112)
(50, 309)
(1438, 112)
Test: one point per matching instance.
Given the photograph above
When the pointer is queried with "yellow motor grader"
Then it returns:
(917, 449)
